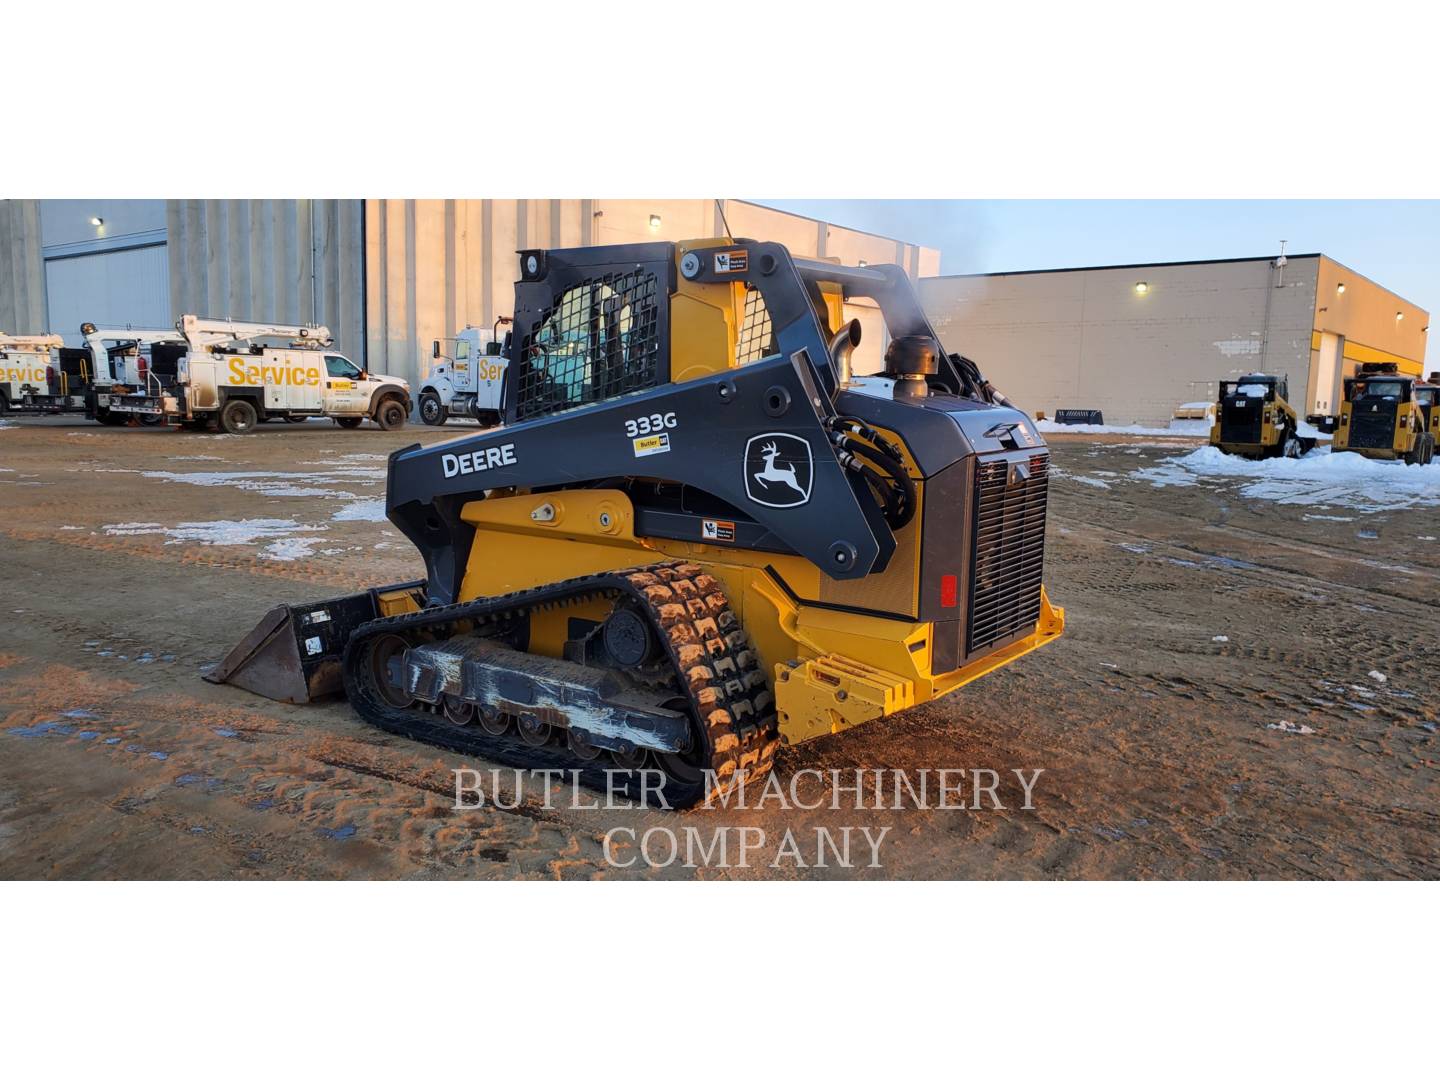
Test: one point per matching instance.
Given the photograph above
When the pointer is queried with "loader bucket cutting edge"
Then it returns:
(293, 654)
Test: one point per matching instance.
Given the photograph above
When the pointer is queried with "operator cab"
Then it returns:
(1258, 386)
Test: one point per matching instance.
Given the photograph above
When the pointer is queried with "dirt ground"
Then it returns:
(1246, 689)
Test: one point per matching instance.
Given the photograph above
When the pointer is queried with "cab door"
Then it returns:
(344, 390)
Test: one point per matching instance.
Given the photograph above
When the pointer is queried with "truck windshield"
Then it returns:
(1384, 389)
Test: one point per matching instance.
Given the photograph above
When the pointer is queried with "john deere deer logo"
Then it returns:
(778, 470)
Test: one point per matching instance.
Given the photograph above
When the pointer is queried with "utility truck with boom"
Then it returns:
(31, 381)
(127, 362)
(235, 375)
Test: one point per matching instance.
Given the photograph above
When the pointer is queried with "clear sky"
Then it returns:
(1394, 243)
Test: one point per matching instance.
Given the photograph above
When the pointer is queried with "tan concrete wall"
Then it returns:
(22, 274)
(1086, 339)
(1365, 315)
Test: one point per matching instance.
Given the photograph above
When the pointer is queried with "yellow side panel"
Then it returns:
(526, 540)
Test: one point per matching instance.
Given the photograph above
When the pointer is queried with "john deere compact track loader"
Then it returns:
(697, 535)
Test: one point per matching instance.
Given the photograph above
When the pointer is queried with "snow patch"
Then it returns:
(290, 548)
(362, 510)
(1079, 478)
(1320, 478)
(218, 533)
(277, 483)
(1291, 728)
(1177, 427)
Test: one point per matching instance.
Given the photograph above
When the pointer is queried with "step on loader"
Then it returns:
(697, 535)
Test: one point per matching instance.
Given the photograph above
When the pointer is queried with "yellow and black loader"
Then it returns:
(697, 535)
(1383, 415)
(1254, 418)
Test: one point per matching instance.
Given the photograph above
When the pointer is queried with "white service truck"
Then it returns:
(128, 361)
(32, 379)
(233, 376)
(469, 383)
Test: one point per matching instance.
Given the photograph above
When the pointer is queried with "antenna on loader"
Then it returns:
(720, 209)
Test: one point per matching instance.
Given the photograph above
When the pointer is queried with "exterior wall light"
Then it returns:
(654, 221)
(1399, 315)
(1340, 289)
(864, 263)
(1141, 288)
(97, 221)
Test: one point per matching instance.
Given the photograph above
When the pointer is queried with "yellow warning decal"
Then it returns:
(652, 444)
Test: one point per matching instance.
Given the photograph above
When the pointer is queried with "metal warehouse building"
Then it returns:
(1136, 341)
(386, 276)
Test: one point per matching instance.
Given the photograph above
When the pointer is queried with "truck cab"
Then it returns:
(467, 381)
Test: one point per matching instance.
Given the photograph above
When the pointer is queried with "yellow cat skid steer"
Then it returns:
(697, 535)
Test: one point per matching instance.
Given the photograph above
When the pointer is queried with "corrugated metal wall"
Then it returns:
(22, 278)
(118, 288)
(287, 260)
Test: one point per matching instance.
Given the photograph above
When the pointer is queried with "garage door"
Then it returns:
(113, 288)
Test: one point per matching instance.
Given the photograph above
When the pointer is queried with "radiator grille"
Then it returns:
(1009, 548)
(600, 340)
(1241, 424)
(1372, 430)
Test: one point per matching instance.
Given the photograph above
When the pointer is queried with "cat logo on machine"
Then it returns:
(779, 470)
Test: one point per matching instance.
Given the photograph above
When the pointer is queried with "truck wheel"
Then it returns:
(349, 421)
(110, 419)
(432, 411)
(390, 415)
(1290, 445)
(488, 418)
(238, 417)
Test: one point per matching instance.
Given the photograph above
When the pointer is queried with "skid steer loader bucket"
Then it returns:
(293, 654)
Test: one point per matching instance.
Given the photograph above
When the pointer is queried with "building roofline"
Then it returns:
(1363, 277)
(1137, 266)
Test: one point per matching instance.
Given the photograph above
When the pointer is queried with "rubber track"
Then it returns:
(709, 655)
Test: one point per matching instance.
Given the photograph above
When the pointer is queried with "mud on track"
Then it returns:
(1210, 713)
